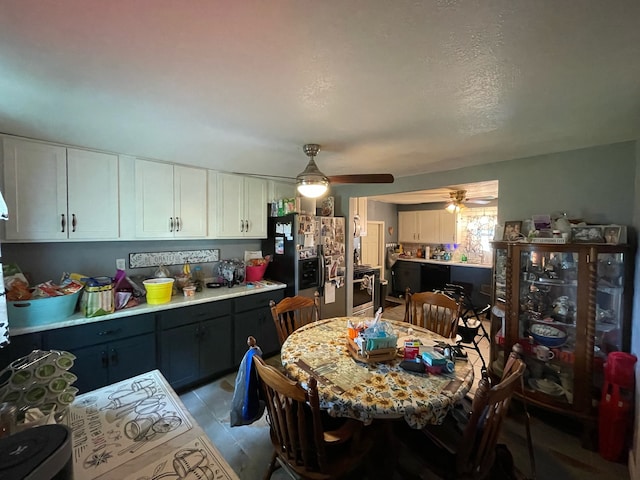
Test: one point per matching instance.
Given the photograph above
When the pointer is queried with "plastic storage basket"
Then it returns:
(255, 274)
(40, 311)
(158, 290)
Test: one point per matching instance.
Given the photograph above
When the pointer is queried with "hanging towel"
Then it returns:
(246, 406)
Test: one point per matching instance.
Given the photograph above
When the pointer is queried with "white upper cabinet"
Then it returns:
(426, 226)
(447, 226)
(359, 207)
(240, 206)
(408, 227)
(279, 190)
(55, 193)
(428, 231)
(171, 200)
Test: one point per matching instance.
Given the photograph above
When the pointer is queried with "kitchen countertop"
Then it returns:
(177, 301)
(445, 262)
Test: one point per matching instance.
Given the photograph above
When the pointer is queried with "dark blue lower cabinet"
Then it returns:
(195, 343)
(103, 364)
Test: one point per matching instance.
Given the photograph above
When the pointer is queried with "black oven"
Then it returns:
(365, 281)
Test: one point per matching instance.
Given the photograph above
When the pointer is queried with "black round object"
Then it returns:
(38, 453)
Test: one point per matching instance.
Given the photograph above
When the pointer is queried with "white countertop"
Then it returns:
(445, 262)
(177, 301)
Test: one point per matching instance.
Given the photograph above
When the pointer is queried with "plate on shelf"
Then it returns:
(545, 385)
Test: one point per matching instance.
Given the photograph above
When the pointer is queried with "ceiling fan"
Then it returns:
(312, 183)
(458, 199)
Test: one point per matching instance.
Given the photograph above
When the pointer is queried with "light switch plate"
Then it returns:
(120, 264)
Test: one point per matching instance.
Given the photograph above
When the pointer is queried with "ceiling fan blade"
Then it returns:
(478, 201)
(362, 178)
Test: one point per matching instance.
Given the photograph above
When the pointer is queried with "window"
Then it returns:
(475, 232)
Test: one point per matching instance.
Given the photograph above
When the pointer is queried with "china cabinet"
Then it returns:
(568, 306)
(240, 209)
(53, 192)
(170, 200)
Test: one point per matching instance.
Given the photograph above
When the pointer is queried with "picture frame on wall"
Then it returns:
(512, 231)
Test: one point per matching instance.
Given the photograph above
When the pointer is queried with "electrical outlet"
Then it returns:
(120, 264)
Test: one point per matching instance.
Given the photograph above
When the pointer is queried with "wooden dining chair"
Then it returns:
(292, 313)
(456, 450)
(300, 441)
(434, 311)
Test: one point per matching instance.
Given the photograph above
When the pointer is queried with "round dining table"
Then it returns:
(366, 391)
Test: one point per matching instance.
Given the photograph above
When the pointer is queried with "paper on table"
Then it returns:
(329, 293)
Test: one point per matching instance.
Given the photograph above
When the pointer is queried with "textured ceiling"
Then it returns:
(402, 87)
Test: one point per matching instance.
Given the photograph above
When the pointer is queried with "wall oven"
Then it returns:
(365, 281)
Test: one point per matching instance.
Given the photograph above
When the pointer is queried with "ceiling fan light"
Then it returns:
(312, 183)
(451, 208)
(311, 191)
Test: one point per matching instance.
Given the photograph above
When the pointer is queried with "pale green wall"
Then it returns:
(595, 183)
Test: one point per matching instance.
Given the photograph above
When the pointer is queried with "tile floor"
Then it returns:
(556, 441)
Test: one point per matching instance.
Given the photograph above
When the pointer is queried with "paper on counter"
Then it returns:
(329, 293)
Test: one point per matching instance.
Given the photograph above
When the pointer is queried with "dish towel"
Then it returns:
(246, 406)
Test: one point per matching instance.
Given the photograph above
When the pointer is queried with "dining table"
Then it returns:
(351, 388)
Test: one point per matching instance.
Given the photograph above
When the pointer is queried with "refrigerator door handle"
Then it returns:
(322, 271)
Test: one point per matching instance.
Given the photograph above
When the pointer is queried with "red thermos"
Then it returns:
(616, 406)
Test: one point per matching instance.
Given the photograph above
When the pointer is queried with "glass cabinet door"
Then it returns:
(547, 317)
(609, 303)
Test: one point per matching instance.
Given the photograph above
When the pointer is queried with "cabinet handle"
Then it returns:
(63, 222)
(114, 357)
(108, 332)
(246, 228)
(73, 222)
(171, 224)
(242, 225)
(178, 226)
(105, 359)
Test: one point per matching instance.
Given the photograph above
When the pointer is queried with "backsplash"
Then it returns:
(47, 261)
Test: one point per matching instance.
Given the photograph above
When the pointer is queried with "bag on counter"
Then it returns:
(98, 297)
(126, 292)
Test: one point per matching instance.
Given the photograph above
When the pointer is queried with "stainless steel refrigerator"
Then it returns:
(308, 254)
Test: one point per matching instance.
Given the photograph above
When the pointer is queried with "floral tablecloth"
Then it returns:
(353, 389)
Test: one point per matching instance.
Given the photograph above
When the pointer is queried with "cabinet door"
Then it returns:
(154, 200)
(92, 179)
(91, 366)
(131, 357)
(255, 208)
(245, 324)
(428, 226)
(230, 206)
(190, 197)
(407, 227)
(446, 227)
(180, 354)
(406, 275)
(279, 190)
(215, 346)
(362, 213)
(35, 189)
